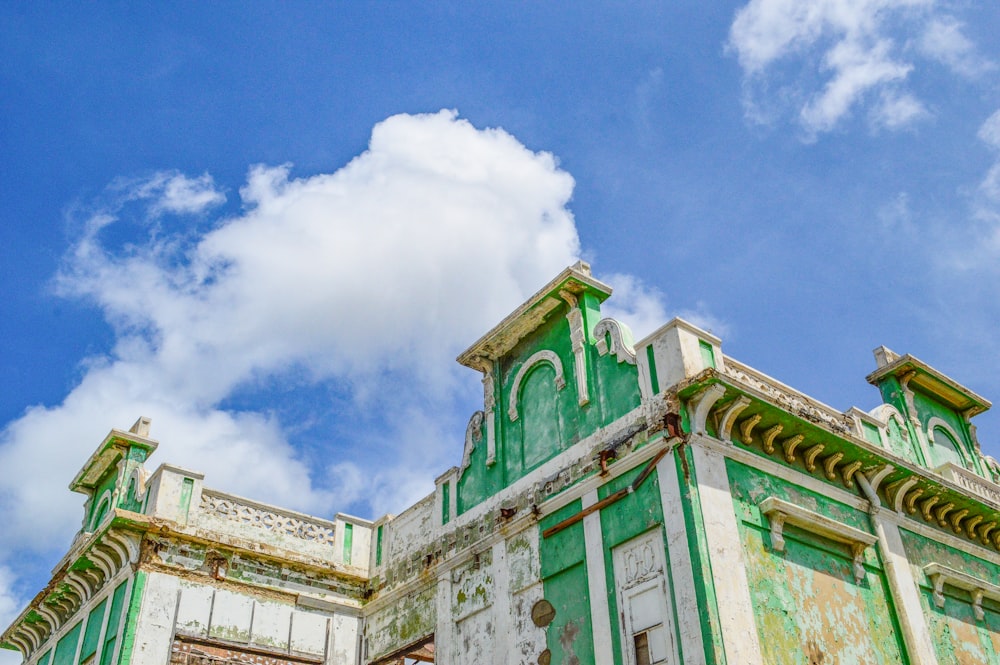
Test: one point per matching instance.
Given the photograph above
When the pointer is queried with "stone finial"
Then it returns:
(141, 427)
(885, 356)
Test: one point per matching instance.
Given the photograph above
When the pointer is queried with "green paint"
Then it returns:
(549, 420)
(807, 605)
(66, 647)
(131, 618)
(44, 659)
(651, 361)
(945, 449)
(958, 636)
(900, 443)
(92, 635)
(348, 541)
(187, 489)
(564, 580)
(871, 433)
(445, 502)
(378, 546)
(707, 353)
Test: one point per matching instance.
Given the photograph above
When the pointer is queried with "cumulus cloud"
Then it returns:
(849, 57)
(373, 276)
(10, 606)
(370, 279)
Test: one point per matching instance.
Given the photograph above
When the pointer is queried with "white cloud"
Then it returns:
(989, 131)
(944, 41)
(986, 201)
(172, 192)
(897, 110)
(372, 277)
(10, 607)
(849, 53)
(635, 304)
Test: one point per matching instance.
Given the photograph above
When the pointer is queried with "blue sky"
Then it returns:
(271, 227)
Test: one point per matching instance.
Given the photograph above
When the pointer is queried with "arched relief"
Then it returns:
(473, 435)
(895, 435)
(103, 507)
(139, 478)
(621, 340)
(538, 357)
(943, 446)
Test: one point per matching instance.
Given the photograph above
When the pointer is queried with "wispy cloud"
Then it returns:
(986, 199)
(943, 40)
(848, 55)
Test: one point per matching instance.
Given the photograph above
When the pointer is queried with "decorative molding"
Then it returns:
(620, 337)
(729, 415)
(111, 553)
(811, 455)
(940, 575)
(747, 426)
(830, 465)
(789, 399)
(779, 513)
(896, 492)
(959, 441)
(769, 436)
(489, 407)
(789, 445)
(701, 403)
(234, 509)
(538, 357)
(577, 336)
(473, 435)
(971, 482)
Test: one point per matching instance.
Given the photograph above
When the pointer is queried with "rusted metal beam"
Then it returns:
(608, 500)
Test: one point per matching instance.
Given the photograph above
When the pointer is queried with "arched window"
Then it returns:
(944, 448)
(102, 510)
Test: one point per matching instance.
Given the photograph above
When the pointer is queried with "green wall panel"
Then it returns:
(65, 652)
(92, 635)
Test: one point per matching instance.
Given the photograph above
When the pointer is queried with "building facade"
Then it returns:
(617, 502)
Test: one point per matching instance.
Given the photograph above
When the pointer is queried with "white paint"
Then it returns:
(681, 570)
(344, 636)
(269, 627)
(309, 632)
(677, 352)
(444, 634)
(600, 617)
(643, 599)
(164, 494)
(231, 614)
(154, 628)
(903, 587)
(195, 609)
(725, 554)
(502, 624)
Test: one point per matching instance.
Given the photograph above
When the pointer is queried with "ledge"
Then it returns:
(941, 575)
(781, 512)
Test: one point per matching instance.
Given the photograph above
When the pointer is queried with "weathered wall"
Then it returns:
(808, 605)
(959, 636)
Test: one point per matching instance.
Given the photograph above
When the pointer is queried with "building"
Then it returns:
(616, 502)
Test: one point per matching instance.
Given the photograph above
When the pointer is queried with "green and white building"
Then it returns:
(616, 502)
